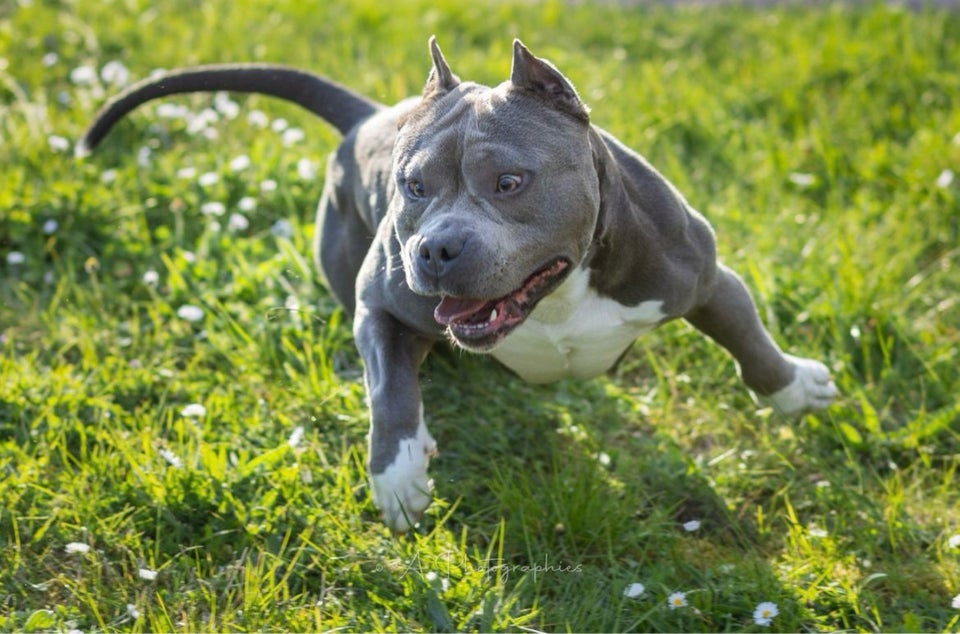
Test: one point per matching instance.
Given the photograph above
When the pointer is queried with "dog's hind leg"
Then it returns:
(341, 235)
(792, 385)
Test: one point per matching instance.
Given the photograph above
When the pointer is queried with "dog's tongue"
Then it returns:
(450, 309)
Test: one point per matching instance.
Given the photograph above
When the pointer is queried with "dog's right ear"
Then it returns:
(441, 79)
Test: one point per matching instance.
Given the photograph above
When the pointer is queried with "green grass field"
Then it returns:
(168, 468)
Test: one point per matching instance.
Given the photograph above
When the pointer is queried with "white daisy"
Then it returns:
(306, 169)
(194, 410)
(189, 312)
(258, 119)
(147, 575)
(208, 179)
(801, 179)
(16, 257)
(77, 548)
(945, 178)
(240, 163)
(282, 229)
(291, 136)
(151, 277)
(764, 613)
(83, 75)
(58, 143)
(172, 459)
(691, 526)
(50, 227)
(295, 437)
(225, 105)
(114, 72)
(238, 222)
(954, 541)
(213, 208)
(634, 590)
(677, 600)
(171, 111)
(247, 203)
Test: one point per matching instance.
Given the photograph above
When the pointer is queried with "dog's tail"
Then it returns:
(332, 102)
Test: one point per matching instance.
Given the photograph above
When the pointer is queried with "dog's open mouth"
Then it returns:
(480, 324)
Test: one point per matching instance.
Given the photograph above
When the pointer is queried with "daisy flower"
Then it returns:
(954, 541)
(58, 143)
(763, 614)
(634, 590)
(83, 75)
(172, 459)
(189, 312)
(187, 173)
(295, 437)
(77, 548)
(247, 203)
(945, 178)
(213, 208)
(115, 73)
(677, 600)
(306, 169)
(258, 119)
(208, 179)
(691, 526)
(151, 277)
(291, 136)
(238, 222)
(282, 229)
(147, 575)
(194, 410)
(239, 162)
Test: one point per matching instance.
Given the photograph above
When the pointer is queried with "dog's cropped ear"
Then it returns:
(441, 78)
(542, 78)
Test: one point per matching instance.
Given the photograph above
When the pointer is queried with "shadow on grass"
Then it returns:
(592, 497)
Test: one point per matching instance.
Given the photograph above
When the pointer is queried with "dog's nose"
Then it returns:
(437, 254)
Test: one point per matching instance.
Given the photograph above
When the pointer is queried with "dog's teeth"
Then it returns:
(493, 315)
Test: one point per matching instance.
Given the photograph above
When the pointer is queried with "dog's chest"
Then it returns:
(574, 332)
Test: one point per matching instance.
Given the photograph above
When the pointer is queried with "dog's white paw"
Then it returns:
(403, 491)
(811, 389)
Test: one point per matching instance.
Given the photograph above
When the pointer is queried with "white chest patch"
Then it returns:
(574, 332)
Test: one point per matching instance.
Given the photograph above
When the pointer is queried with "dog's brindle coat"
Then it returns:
(502, 219)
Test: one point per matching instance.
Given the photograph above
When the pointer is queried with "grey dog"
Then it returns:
(503, 220)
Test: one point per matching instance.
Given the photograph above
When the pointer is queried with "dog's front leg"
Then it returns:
(400, 446)
(793, 385)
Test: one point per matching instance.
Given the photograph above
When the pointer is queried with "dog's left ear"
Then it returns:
(441, 79)
(542, 78)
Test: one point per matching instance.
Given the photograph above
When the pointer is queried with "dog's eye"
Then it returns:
(508, 183)
(415, 189)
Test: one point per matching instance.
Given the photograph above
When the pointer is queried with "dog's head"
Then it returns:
(496, 194)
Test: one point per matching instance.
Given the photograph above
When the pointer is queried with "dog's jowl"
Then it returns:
(502, 220)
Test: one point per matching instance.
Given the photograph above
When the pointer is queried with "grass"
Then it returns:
(820, 141)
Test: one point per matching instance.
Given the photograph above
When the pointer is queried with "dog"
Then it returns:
(501, 219)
